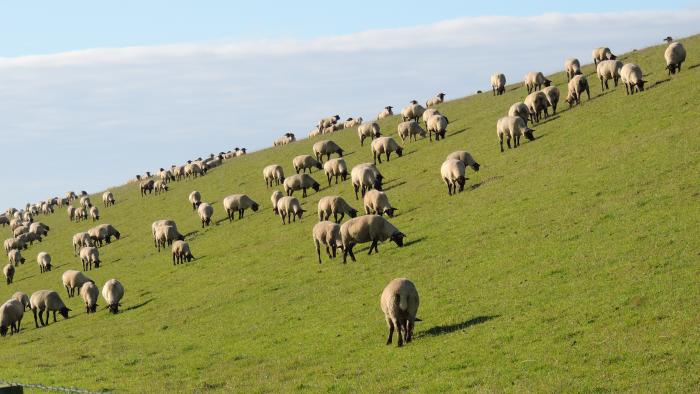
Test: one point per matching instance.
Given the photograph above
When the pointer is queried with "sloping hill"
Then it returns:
(570, 263)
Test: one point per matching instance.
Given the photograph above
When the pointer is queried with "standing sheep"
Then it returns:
(521, 110)
(399, 302)
(146, 187)
(181, 252)
(498, 84)
(15, 257)
(364, 177)
(329, 121)
(73, 280)
(386, 112)
(537, 105)
(334, 205)
(108, 198)
(276, 195)
(575, 88)
(205, 212)
(165, 236)
(412, 111)
(94, 214)
(22, 298)
(607, 70)
(336, 168)
(11, 314)
(326, 148)
(350, 122)
(290, 208)
(377, 202)
(631, 75)
(71, 213)
(512, 127)
(300, 182)
(287, 138)
(48, 301)
(160, 187)
(304, 162)
(410, 129)
(552, 94)
(534, 81)
(89, 256)
(89, 293)
(9, 271)
(385, 145)
(368, 130)
(437, 124)
(438, 99)
(368, 228)
(103, 232)
(44, 261)
(465, 158)
(328, 234)
(452, 172)
(602, 53)
(195, 199)
(572, 67)
(113, 292)
(238, 203)
(81, 240)
(674, 55)
(273, 173)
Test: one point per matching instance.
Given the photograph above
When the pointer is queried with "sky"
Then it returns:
(92, 93)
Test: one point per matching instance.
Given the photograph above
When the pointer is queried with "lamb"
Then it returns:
(513, 127)
(410, 129)
(386, 112)
(290, 208)
(300, 182)
(576, 87)
(368, 228)
(81, 240)
(607, 70)
(465, 158)
(438, 99)
(276, 195)
(11, 314)
(602, 53)
(572, 67)
(304, 162)
(368, 130)
(498, 84)
(195, 198)
(9, 272)
(329, 121)
(160, 187)
(552, 94)
(412, 111)
(674, 55)
(437, 124)
(521, 110)
(15, 257)
(326, 148)
(377, 202)
(631, 75)
(88, 256)
(205, 212)
(181, 252)
(334, 205)
(399, 302)
(336, 168)
(273, 173)
(350, 122)
(365, 177)
(328, 234)
(89, 293)
(103, 232)
(73, 280)
(238, 203)
(287, 138)
(22, 298)
(94, 214)
(537, 104)
(49, 301)
(113, 292)
(452, 172)
(534, 81)
(385, 145)
(44, 261)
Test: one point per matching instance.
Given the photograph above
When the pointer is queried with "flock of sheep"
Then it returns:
(399, 300)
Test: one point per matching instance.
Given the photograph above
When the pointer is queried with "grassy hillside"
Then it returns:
(568, 264)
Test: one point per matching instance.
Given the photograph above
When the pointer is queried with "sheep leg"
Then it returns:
(329, 176)
(398, 332)
(377, 157)
(356, 187)
(318, 250)
(342, 215)
(508, 142)
(391, 331)
(501, 142)
(387, 155)
(328, 252)
(54, 316)
(303, 194)
(348, 250)
(373, 246)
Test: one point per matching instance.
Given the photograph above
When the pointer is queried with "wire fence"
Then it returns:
(50, 388)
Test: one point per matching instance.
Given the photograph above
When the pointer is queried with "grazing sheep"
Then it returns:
(49, 301)
(16, 222)
(20, 230)
(575, 89)
(22, 298)
(572, 67)
(602, 53)
(15, 257)
(14, 243)
(399, 302)
(73, 280)
(4, 220)
(386, 112)
(410, 129)
(300, 182)
(364, 177)
(437, 124)
(329, 121)
(334, 205)
(174, 234)
(428, 113)
(290, 208)
(631, 75)
(160, 187)
(465, 158)
(368, 228)
(85, 202)
(181, 252)
(521, 110)
(336, 168)
(304, 162)
(195, 199)
(71, 213)
(44, 261)
(178, 172)
(81, 240)
(513, 127)
(194, 170)
(537, 103)
(328, 234)
(412, 111)
(103, 232)
(39, 229)
(94, 214)
(438, 99)
(89, 255)
(385, 145)
(273, 173)
(89, 293)
(326, 148)
(113, 292)
(11, 314)
(146, 187)
(276, 195)
(205, 212)
(607, 70)
(238, 203)
(313, 133)
(534, 81)
(552, 94)
(9, 272)
(452, 172)
(80, 214)
(287, 138)
(28, 238)
(350, 122)
(368, 130)
(377, 202)
(674, 55)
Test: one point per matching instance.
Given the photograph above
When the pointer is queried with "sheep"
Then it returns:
(572, 67)
(194, 170)
(4, 220)
(410, 129)
(16, 222)
(329, 121)
(465, 158)
(71, 213)
(290, 208)
(103, 232)
(336, 168)
(368, 130)
(205, 212)
(537, 104)
(452, 172)
(88, 256)
(437, 124)
(631, 76)
(73, 280)
(49, 301)
(195, 199)
(85, 202)
(276, 195)
(334, 205)
(521, 110)
(81, 240)
(27, 216)
(377, 202)
(9, 272)
(167, 176)
(11, 314)
(498, 84)
(43, 259)
(240, 152)
(304, 162)
(602, 53)
(113, 292)
(178, 172)
(575, 89)
(28, 238)
(238, 203)
(385, 145)
(328, 234)
(287, 138)
(438, 99)
(15, 257)
(169, 235)
(365, 177)
(313, 133)
(22, 298)
(534, 81)
(399, 302)
(71, 196)
(326, 148)
(39, 229)
(674, 55)
(607, 70)
(160, 187)
(386, 112)
(368, 228)
(513, 127)
(273, 173)
(94, 214)
(146, 187)
(300, 182)
(412, 111)
(552, 94)
(89, 293)
(14, 243)
(350, 122)
(20, 230)
(80, 214)
(428, 113)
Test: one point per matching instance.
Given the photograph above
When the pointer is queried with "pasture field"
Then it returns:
(568, 264)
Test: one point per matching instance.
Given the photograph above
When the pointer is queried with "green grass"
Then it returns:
(568, 264)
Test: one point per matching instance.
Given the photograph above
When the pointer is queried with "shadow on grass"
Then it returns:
(460, 131)
(413, 241)
(483, 181)
(448, 329)
(137, 306)
(394, 185)
(693, 66)
(657, 83)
